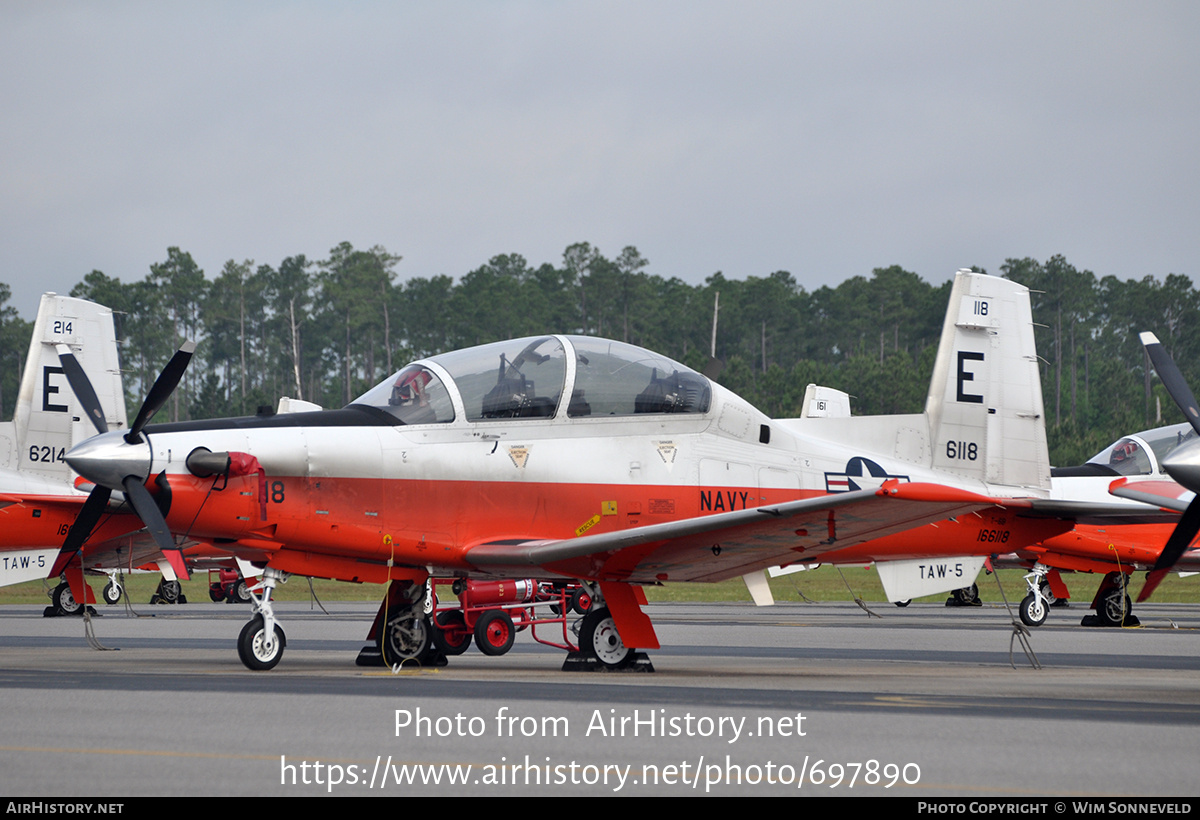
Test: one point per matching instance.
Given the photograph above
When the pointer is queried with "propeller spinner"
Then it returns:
(119, 460)
(1182, 463)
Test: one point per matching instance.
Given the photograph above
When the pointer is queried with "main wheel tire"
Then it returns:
(581, 601)
(216, 593)
(252, 647)
(904, 603)
(1033, 610)
(451, 637)
(64, 600)
(967, 596)
(239, 593)
(494, 632)
(169, 591)
(406, 635)
(1047, 594)
(599, 638)
(111, 593)
(1110, 609)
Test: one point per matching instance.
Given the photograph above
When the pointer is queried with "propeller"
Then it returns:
(1182, 463)
(119, 461)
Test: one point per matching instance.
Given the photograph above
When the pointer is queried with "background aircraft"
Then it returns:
(38, 499)
(1182, 463)
(1109, 541)
(1114, 549)
(573, 457)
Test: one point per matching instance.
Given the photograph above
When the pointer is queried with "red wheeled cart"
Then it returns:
(230, 586)
(493, 612)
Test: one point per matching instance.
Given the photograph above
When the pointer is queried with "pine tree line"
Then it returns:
(326, 330)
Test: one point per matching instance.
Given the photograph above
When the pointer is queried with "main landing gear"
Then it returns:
(600, 645)
(967, 596)
(64, 600)
(599, 639)
(169, 592)
(403, 632)
(1112, 603)
(261, 643)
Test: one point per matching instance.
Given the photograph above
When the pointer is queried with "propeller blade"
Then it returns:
(85, 522)
(1181, 538)
(152, 517)
(1172, 379)
(1153, 579)
(82, 387)
(163, 387)
(1180, 464)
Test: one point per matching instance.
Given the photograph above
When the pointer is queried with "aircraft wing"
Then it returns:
(727, 545)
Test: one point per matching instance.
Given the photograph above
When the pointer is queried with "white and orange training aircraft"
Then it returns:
(567, 457)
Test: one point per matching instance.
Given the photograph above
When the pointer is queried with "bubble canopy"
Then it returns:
(1142, 453)
(528, 379)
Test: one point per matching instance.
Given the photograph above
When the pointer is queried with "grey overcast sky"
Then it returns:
(822, 138)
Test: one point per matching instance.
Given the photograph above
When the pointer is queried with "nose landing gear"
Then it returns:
(261, 642)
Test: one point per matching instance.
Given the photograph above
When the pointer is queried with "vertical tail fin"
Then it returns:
(985, 411)
(49, 420)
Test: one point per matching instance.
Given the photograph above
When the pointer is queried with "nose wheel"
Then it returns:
(259, 649)
(1033, 610)
(113, 589)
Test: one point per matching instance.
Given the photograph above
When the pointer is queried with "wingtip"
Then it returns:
(1148, 339)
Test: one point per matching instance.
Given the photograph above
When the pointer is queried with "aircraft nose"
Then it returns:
(108, 458)
(1183, 465)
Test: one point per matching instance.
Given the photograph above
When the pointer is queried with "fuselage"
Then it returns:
(345, 492)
